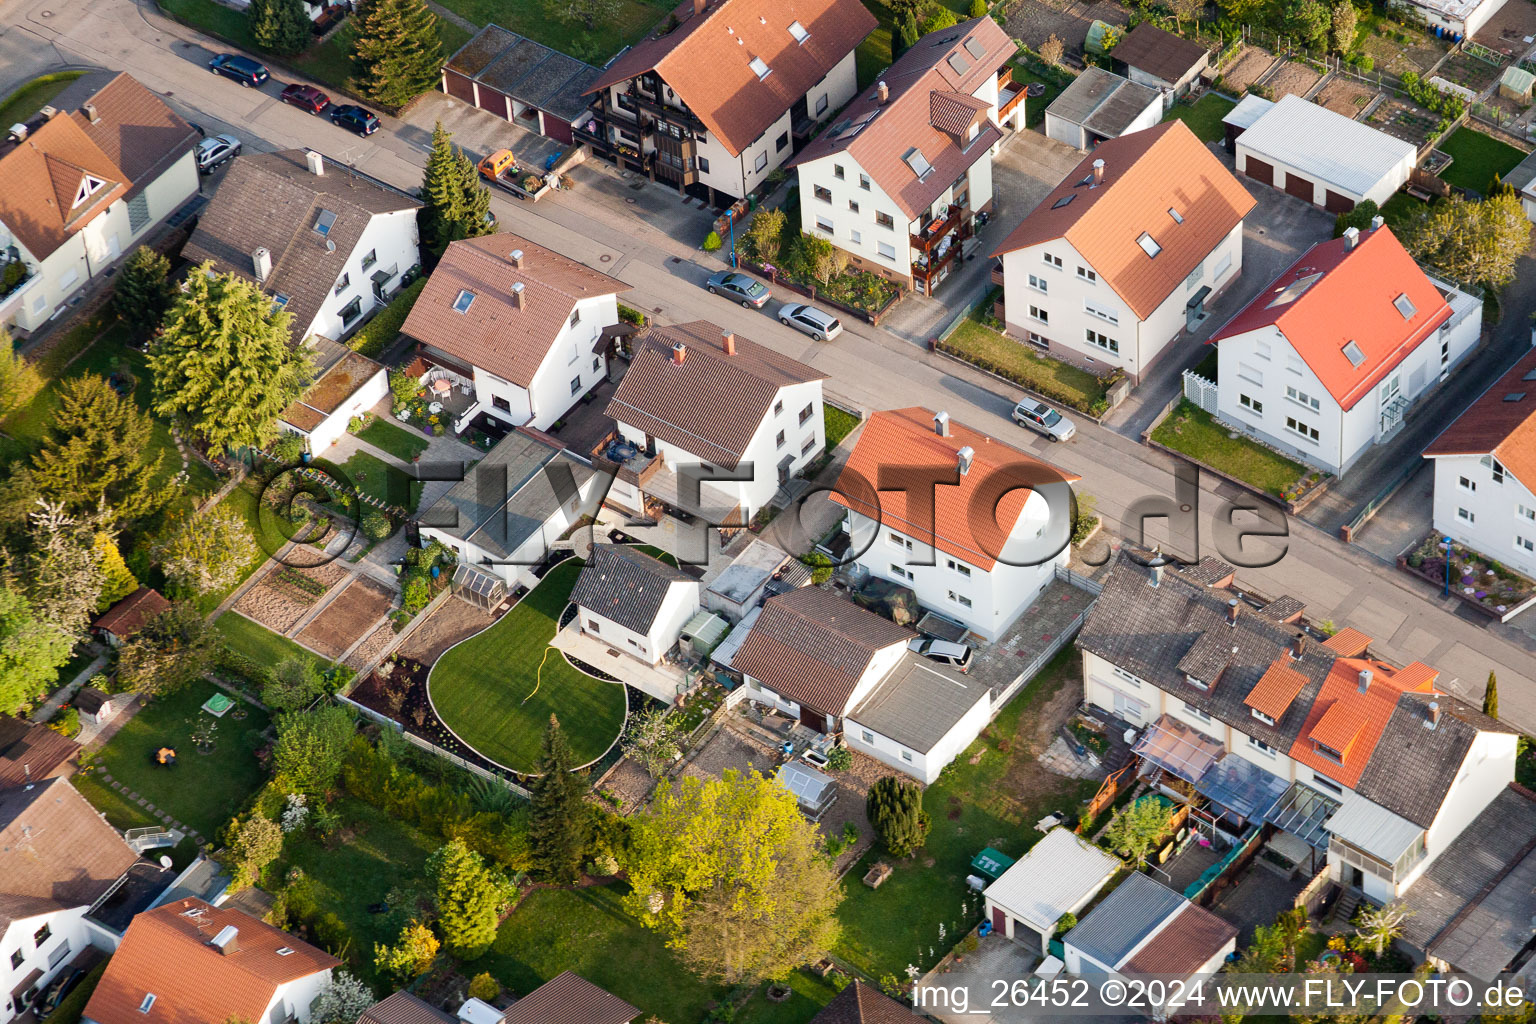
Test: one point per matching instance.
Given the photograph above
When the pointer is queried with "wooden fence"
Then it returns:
(1110, 789)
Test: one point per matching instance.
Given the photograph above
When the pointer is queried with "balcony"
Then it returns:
(927, 270)
(928, 239)
(594, 132)
(1009, 93)
(676, 115)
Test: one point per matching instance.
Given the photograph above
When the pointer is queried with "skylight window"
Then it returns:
(89, 186)
(798, 31)
(324, 221)
(974, 48)
(1353, 354)
(462, 303)
(1514, 396)
(284, 951)
(148, 1002)
(1529, 375)
(1293, 291)
(919, 163)
(1149, 245)
(959, 64)
(1405, 306)
(759, 67)
(279, 301)
(1064, 200)
(1178, 218)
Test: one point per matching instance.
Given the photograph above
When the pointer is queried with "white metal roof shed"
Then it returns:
(1060, 873)
(1248, 110)
(1325, 146)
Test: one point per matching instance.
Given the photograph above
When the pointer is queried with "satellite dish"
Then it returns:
(330, 246)
(165, 861)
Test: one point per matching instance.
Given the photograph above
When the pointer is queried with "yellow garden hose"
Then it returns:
(538, 676)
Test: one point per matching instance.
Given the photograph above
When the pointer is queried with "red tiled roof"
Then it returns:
(1494, 425)
(1184, 945)
(1351, 722)
(1348, 643)
(906, 438)
(130, 614)
(58, 851)
(706, 59)
(1350, 299)
(861, 1003)
(1146, 174)
(41, 175)
(1276, 688)
(136, 130)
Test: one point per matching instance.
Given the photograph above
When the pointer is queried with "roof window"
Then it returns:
(462, 303)
(1064, 200)
(284, 951)
(1515, 396)
(1149, 245)
(149, 1001)
(1405, 306)
(959, 64)
(324, 221)
(974, 48)
(1178, 218)
(919, 163)
(1293, 291)
(759, 67)
(279, 301)
(798, 31)
(1353, 354)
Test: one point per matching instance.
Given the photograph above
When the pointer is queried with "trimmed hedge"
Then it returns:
(377, 334)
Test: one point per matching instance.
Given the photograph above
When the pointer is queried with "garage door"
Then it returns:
(1258, 170)
(1301, 188)
(459, 87)
(1335, 203)
(495, 102)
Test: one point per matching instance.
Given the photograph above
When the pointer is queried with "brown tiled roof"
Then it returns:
(30, 752)
(494, 333)
(1276, 688)
(930, 107)
(130, 614)
(812, 646)
(404, 1008)
(272, 200)
(568, 998)
(1159, 53)
(56, 851)
(133, 127)
(706, 59)
(166, 952)
(42, 174)
(861, 1003)
(712, 404)
(334, 387)
(1498, 426)
(1146, 174)
(1183, 945)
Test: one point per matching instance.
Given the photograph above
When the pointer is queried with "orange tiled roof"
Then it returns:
(1348, 643)
(1276, 688)
(906, 438)
(42, 174)
(1499, 425)
(1351, 722)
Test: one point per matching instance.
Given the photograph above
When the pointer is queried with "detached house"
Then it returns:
(897, 181)
(632, 602)
(86, 180)
(713, 101)
(711, 423)
(1350, 763)
(516, 326)
(1330, 357)
(967, 565)
(1485, 471)
(1155, 57)
(1123, 256)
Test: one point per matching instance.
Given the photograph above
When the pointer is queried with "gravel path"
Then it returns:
(365, 652)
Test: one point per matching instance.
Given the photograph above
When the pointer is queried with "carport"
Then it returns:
(521, 81)
(1060, 874)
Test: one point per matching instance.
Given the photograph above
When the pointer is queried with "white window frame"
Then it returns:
(1039, 284)
(1250, 403)
(1039, 315)
(1085, 274)
(1303, 399)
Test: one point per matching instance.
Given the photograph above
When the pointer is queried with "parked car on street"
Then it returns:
(305, 97)
(355, 119)
(1042, 419)
(216, 150)
(750, 293)
(236, 68)
(810, 320)
(945, 652)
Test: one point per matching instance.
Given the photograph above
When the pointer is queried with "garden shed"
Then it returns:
(1516, 84)
(813, 790)
(1061, 874)
(704, 632)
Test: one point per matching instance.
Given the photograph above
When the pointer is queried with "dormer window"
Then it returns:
(1197, 684)
(1261, 716)
(1328, 752)
(89, 186)
(759, 67)
(798, 31)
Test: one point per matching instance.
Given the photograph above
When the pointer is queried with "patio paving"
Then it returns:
(998, 664)
(586, 424)
(1257, 899)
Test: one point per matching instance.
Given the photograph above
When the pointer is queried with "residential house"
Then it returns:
(128, 616)
(1316, 154)
(404, 1008)
(505, 516)
(1157, 58)
(1488, 454)
(31, 752)
(348, 386)
(191, 961)
(1365, 768)
(920, 718)
(979, 569)
(1331, 356)
(633, 602)
(565, 997)
(897, 181)
(521, 81)
(68, 881)
(713, 100)
(711, 423)
(1061, 874)
(1122, 257)
(87, 179)
(518, 325)
(863, 1003)
(1099, 106)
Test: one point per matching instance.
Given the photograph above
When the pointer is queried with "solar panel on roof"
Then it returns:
(974, 48)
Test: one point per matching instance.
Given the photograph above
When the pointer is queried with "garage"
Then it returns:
(1258, 170)
(1301, 188)
(509, 75)
(459, 87)
(1061, 874)
(1335, 203)
(494, 102)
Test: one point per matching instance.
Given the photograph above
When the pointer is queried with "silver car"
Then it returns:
(810, 320)
(945, 652)
(1042, 419)
(215, 150)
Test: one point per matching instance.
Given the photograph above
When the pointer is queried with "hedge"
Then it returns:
(377, 334)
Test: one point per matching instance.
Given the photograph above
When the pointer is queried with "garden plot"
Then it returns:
(1246, 68)
(1403, 120)
(280, 598)
(1468, 71)
(365, 653)
(349, 616)
(1346, 96)
(1032, 22)
(449, 623)
(1292, 78)
(1397, 48)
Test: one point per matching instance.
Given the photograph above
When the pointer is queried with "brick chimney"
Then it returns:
(518, 301)
(679, 353)
(1232, 607)
(699, 5)
(1298, 646)
(883, 92)
(728, 342)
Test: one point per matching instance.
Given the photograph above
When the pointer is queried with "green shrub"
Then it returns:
(895, 809)
(632, 316)
(840, 759)
(375, 524)
(416, 595)
(484, 987)
(820, 566)
(72, 1008)
(712, 242)
(978, 9)
(377, 334)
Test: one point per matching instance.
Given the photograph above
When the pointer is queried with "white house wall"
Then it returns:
(1077, 136)
(68, 936)
(1499, 524)
(1469, 26)
(681, 602)
(392, 237)
(334, 426)
(293, 999)
(855, 232)
(571, 368)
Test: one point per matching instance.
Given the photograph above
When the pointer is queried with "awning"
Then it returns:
(991, 863)
(1240, 786)
(1303, 812)
(1198, 299)
(1177, 748)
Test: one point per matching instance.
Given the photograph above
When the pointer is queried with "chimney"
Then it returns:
(89, 110)
(941, 424)
(1157, 574)
(966, 455)
(227, 941)
(1098, 172)
(517, 258)
(261, 263)
(698, 6)
(679, 353)
(1232, 612)
(316, 163)
(1298, 646)
(1365, 679)
(1351, 237)
(1377, 222)
(1434, 715)
(518, 302)
(883, 91)
(728, 342)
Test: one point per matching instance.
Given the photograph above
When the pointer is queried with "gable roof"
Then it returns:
(1135, 909)
(568, 998)
(43, 175)
(527, 71)
(1413, 767)
(918, 702)
(862, 1003)
(1494, 425)
(166, 952)
(1334, 295)
(1146, 174)
(625, 585)
(135, 128)
(712, 403)
(706, 58)
(404, 1008)
(1184, 944)
(1103, 102)
(930, 106)
(130, 615)
(494, 332)
(272, 200)
(1159, 53)
(811, 646)
(30, 751)
(1325, 145)
(906, 437)
(1058, 873)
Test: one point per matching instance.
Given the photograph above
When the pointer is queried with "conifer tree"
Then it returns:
(397, 55)
(19, 379)
(117, 581)
(1491, 697)
(906, 35)
(469, 896)
(97, 449)
(456, 200)
(279, 26)
(143, 291)
(895, 809)
(558, 819)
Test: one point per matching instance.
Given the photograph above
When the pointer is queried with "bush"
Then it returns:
(978, 9)
(377, 333)
(632, 316)
(840, 759)
(712, 242)
(895, 809)
(375, 524)
(820, 566)
(484, 987)
(1066, 923)
(416, 595)
(66, 722)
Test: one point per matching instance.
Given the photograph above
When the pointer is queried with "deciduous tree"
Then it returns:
(735, 878)
(1138, 827)
(293, 684)
(206, 551)
(225, 363)
(1307, 20)
(470, 895)
(1473, 242)
(457, 201)
(168, 652)
(19, 379)
(1343, 20)
(98, 449)
(652, 741)
(1376, 927)
(144, 291)
(764, 233)
(58, 567)
(279, 26)
(410, 957)
(398, 54)
(343, 1000)
(312, 747)
(1185, 10)
(895, 809)
(253, 844)
(31, 650)
(1052, 50)
(558, 825)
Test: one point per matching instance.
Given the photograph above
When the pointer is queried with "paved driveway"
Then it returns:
(967, 993)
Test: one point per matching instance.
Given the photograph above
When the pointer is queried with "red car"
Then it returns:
(306, 97)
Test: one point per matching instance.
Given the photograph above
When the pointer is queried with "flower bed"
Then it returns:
(1475, 578)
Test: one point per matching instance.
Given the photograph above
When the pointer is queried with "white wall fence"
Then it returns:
(1200, 391)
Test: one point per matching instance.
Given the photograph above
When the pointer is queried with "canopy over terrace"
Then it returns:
(1303, 812)
(1177, 749)
(1240, 789)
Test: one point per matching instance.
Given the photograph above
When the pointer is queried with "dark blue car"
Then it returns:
(247, 72)
(355, 119)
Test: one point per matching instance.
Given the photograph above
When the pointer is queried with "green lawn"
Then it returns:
(1034, 106)
(378, 479)
(1476, 158)
(33, 96)
(201, 790)
(1401, 211)
(403, 444)
(837, 423)
(497, 689)
(1195, 432)
(1052, 378)
(1204, 116)
(630, 22)
(259, 643)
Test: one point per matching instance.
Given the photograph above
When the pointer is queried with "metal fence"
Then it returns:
(1348, 530)
(1078, 580)
(1200, 391)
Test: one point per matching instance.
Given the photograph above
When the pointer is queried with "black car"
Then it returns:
(247, 72)
(355, 119)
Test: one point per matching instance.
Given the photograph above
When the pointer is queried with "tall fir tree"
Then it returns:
(279, 26)
(469, 894)
(143, 291)
(457, 201)
(397, 55)
(558, 823)
(97, 449)
(1491, 697)
(225, 363)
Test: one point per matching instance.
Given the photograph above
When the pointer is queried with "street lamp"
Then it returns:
(731, 218)
(1445, 542)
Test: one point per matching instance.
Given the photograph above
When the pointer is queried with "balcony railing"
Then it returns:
(929, 238)
(677, 115)
(1009, 93)
(594, 132)
(928, 273)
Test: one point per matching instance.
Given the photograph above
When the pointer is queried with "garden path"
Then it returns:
(63, 694)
